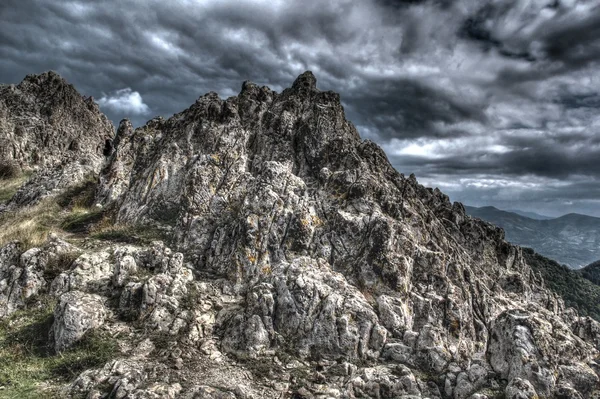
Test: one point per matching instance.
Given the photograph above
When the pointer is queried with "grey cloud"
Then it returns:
(557, 37)
(525, 156)
(550, 199)
(517, 91)
(408, 108)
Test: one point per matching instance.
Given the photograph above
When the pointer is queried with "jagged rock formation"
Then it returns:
(22, 273)
(303, 265)
(44, 121)
(47, 126)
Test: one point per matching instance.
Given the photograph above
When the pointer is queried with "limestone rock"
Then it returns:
(44, 121)
(330, 252)
(23, 275)
(520, 389)
(76, 313)
(48, 127)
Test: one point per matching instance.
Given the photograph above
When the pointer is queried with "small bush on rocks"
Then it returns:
(8, 169)
(59, 264)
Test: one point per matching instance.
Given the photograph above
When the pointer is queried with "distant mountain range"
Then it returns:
(573, 239)
(531, 215)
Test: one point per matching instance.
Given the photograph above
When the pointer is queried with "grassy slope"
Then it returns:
(29, 367)
(9, 186)
(31, 225)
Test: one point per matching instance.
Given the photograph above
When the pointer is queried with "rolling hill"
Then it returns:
(572, 239)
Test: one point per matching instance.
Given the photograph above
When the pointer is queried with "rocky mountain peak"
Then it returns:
(47, 126)
(44, 121)
(306, 81)
(46, 80)
(300, 264)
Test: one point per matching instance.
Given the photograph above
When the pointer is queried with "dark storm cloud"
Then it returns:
(583, 100)
(551, 162)
(562, 36)
(173, 48)
(410, 108)
(480, 92)
(407, 3)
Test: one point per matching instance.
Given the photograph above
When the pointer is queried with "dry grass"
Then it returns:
(30, 225)
(69, 212)
(28, 366)
(130, 234)
(9, 186)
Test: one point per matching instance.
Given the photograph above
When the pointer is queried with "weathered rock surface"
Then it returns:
(333, 253)
(22, 274)
(48, 127)
(303, 265)
(44, 121)
(76, 314)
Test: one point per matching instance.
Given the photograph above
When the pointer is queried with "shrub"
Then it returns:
(81, 195)
(8, 169)
(59, 264)
(82, 220)
(190, 300)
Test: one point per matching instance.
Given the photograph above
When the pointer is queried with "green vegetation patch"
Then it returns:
(81, 195)
(82, 220)
(591, 272)
(576, 291)
(29, 367)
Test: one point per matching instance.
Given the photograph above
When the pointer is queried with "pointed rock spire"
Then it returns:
(305, 81)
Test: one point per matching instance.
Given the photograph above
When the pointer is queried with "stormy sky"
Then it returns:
(496, 102)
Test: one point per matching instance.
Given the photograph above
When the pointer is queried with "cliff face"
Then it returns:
(307, 267)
